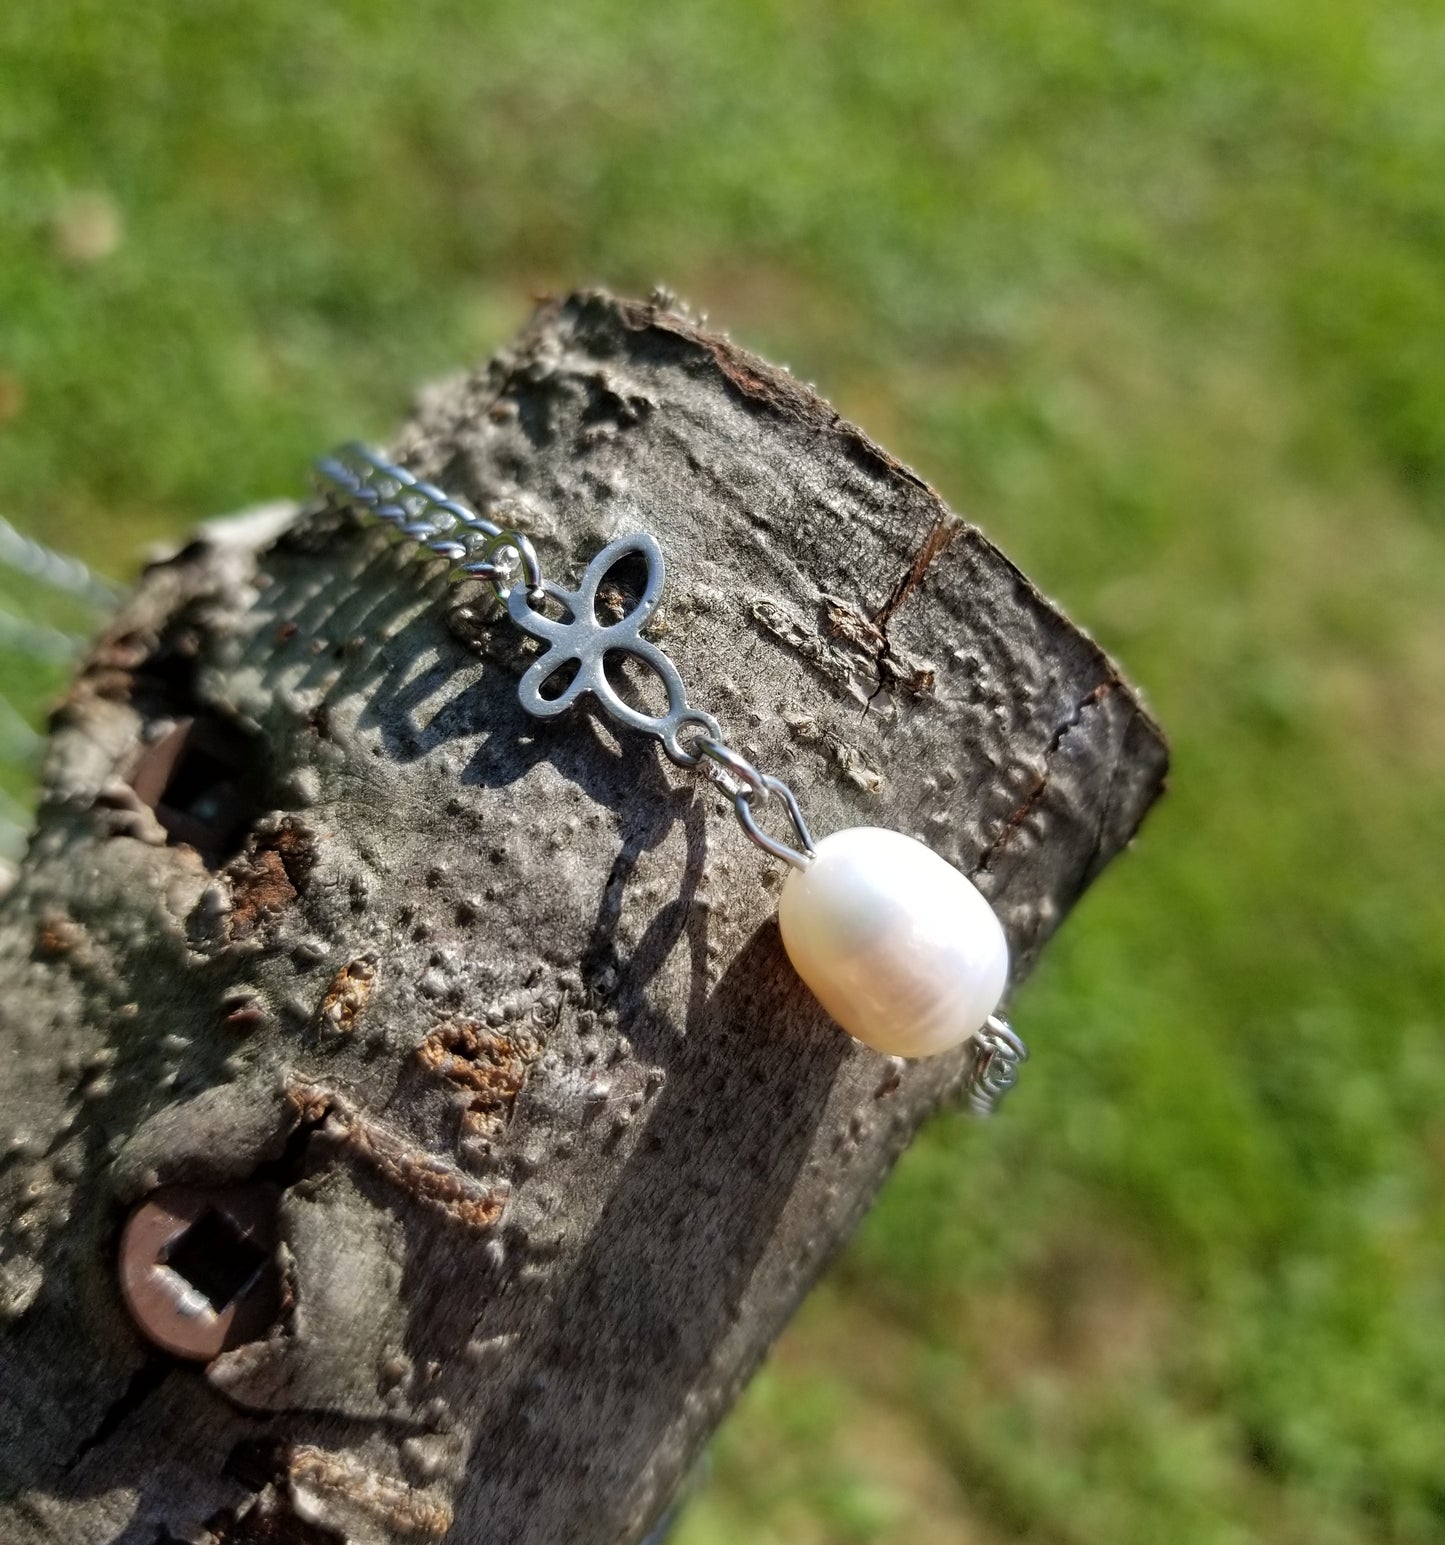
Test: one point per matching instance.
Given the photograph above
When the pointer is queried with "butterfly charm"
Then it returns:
(579, 637)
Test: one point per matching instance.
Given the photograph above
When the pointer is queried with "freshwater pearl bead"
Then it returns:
(895, 943)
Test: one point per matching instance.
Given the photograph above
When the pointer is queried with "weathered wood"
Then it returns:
(499, 1004)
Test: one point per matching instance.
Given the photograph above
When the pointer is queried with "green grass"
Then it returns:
(1155, 292)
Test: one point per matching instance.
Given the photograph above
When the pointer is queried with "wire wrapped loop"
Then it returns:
(745, 786)
(999, 1052)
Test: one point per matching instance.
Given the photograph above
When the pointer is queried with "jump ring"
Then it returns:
(487, 567)
(671, 737)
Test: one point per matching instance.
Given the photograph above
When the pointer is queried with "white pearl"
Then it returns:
(896, 944)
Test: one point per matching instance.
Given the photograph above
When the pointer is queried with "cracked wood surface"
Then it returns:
(498, 1004)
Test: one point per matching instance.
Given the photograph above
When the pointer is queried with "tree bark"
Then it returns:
(497, 1005)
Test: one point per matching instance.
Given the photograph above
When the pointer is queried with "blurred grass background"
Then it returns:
(1155, 292)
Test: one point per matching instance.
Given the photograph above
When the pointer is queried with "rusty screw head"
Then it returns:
(198, 1267)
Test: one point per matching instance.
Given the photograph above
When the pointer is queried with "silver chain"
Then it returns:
(477, 548)
(60, 571)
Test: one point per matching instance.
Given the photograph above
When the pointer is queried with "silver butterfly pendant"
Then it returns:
(580, 637)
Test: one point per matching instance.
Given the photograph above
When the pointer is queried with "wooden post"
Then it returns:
(495, 1007)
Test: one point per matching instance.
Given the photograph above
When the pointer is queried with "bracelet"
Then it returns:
(896, 944)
